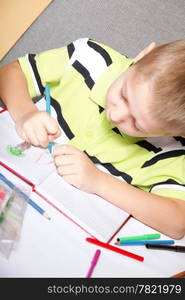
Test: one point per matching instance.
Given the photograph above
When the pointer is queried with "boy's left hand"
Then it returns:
(75, 167)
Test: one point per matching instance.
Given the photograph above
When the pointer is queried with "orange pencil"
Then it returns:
(178, 275)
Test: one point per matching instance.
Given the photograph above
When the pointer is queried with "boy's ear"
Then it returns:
(145, 51)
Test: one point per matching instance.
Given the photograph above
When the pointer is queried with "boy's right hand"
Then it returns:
(38, 128)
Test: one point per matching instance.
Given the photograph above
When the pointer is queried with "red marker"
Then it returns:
(115, 249)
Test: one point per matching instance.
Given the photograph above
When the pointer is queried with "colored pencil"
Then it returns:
(38, 208)
(178, 275)
(138, 243)
(115, 249)
(48, 109)
(31, 202)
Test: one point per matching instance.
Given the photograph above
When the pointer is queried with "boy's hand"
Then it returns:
(38, 128)
(75, 167)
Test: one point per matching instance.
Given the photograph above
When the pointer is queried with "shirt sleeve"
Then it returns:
(169, 188)
(44, 68)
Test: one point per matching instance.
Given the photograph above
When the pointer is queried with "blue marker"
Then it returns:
(48, 108)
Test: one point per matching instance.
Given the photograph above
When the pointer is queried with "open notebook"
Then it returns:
(93, 214)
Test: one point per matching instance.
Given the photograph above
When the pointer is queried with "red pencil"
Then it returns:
(115, 249)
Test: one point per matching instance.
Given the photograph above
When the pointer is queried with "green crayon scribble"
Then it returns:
(14, 151)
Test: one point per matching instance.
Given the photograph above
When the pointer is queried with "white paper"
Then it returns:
(94, 214)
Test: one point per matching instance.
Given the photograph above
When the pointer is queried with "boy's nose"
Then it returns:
(119, 114)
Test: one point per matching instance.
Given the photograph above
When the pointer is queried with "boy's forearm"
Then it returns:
(164, 214)
(14, 91)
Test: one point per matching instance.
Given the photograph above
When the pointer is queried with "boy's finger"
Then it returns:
(32, 138)
(42, 137)
(66, 170)
(64, 149)
(52, 126)
(52, 137)
(64, 160)
(23, 136)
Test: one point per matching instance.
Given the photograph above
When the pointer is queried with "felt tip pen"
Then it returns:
(115, 249)
(93, 263)
(152, 236)
(166, 247)
(138, 243)
(48, 109)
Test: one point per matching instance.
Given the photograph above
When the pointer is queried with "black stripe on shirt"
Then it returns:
(85, 73)
(100, 109)
(71, 49)
(148, 146)
(111, 168)
(116, 130)
(168, 181)
(101, 51)
(31, 58)
(180, 139)
(61, 120)
(169, 154)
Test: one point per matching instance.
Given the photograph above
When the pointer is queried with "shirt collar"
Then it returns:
(99, 90)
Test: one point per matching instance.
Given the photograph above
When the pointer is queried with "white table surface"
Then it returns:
(57, 248)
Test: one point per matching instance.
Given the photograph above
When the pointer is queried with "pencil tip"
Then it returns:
(46, 216)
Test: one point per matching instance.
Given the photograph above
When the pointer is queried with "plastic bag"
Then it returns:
(13, 202)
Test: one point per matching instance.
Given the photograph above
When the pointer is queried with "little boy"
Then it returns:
(127, 115)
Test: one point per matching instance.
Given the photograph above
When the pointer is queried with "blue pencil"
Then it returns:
(48, 108)
(137, 243)
(38, 208)
(31, 202)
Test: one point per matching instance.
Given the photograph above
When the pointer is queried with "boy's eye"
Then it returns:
(135, 125)
(138, 127)
(124, 99)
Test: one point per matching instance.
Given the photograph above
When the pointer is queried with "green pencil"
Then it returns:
(143, 237)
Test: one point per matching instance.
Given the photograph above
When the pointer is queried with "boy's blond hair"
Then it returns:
(165, 66)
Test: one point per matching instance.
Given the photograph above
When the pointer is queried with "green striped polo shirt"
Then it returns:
(79, 76)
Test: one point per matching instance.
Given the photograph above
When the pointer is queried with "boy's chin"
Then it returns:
(130, 133)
